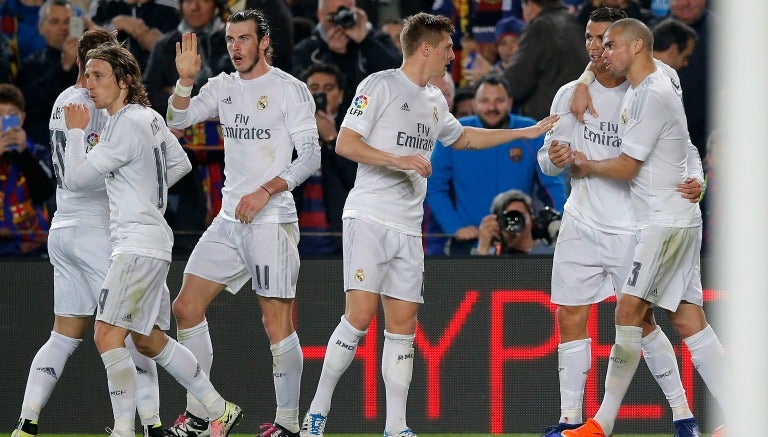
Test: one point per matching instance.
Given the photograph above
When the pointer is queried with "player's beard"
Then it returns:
(251, 66)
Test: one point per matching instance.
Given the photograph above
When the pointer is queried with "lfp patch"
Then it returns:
(358, 105)
(91, 140)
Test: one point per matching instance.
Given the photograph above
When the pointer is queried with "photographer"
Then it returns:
(509, 229)
(344, 37)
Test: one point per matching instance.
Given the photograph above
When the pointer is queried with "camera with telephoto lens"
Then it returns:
(512, 221)
(547, 225)
(343, 17)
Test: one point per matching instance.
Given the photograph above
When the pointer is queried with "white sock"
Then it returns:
(708, 358)
(287, 365)
(574, 359)
(45, 371)
(660, 357)
(338, 356)
(147, 389)
(183, 366)
(397, 370)
(622, 364)
(198, 340)
(121, 378)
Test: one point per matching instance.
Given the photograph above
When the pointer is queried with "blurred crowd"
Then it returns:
(511, 58)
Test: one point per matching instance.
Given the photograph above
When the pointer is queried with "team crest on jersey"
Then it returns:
(434, 113)
(516, 154)
(91, 140)
(262, 103)
(359, 275)
(358, 105)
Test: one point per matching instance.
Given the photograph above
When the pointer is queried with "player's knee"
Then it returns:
(572, 323)
(186, 312)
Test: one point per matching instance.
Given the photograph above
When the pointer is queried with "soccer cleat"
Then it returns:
(276, 430)
(189, 425)
(590, 429)
(555, 430)
(313, 425)
(686, 428)
(221, 426)
(720, 431)
(24, 428)
(155, 430)
(404, 433)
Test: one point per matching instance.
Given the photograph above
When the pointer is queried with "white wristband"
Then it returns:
(186, 91)
(586, 78)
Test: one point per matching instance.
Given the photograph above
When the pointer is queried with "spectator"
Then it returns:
(320, 199)
(358, 50)
(508, 33)
(475, 178)
(140, 23)
(7, 59)
(47, 72)
(464, 102)
(549, 54)
(20, 20)
(673, 42)
(508, 229)
(393, 28)
(25, 179)
(280, 20)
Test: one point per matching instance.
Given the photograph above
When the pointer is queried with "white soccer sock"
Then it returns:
(397, 370)
(287, 365)
(147, 389)
(338, 356)
(708, 358)
(574, 359)
(660, 357)
(45, 371)
(622, 364)
(183, 366)
(198, 340)
(121, 379)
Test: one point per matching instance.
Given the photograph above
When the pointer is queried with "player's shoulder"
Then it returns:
(379, 79)
(283, 76)
(562, 100)
(74, 94)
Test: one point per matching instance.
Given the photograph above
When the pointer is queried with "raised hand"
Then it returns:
(76, 116)
(543, 126)
(188, 62)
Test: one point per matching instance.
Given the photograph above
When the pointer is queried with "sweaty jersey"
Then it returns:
(90, 206)
(141, 159)
(262, 121)
(654, 130)
(395, 115)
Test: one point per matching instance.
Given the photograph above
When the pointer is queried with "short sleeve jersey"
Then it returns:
(258, 117)
(134, 151)
(77, 207)
(601, 203)
(654, 130)
(397, 116)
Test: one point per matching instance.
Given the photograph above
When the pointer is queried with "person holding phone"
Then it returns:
(25, 178)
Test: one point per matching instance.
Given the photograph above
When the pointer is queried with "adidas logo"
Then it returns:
(405, 107)
(49, 370)
(227, 100)
(128, 318)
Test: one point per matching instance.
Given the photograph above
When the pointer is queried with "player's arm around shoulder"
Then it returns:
(350, 145)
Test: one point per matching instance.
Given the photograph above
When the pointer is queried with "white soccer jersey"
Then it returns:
(395, 115)
(88, 207)
(601, 203)
(141, 158)
(654, 130)
(262, 121)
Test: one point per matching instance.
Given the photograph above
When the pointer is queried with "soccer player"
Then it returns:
(390, 129)
(140, 158)
(265, 115)
(665, 264)
(79, 249)
(597, 237)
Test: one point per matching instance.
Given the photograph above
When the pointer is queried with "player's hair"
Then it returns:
(423, 27)
(42, 14)
(125, 68)
(494, 79)
(12, 95)
(606, 15)
(633, 29)
(255, 15)
(92, 39)
(321, 67)
(671, 31)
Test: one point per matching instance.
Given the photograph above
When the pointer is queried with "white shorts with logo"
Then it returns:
(231, 253)
(665, 268)
(80, 259)
(134, 295)
(589, 265)
(383, 261)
